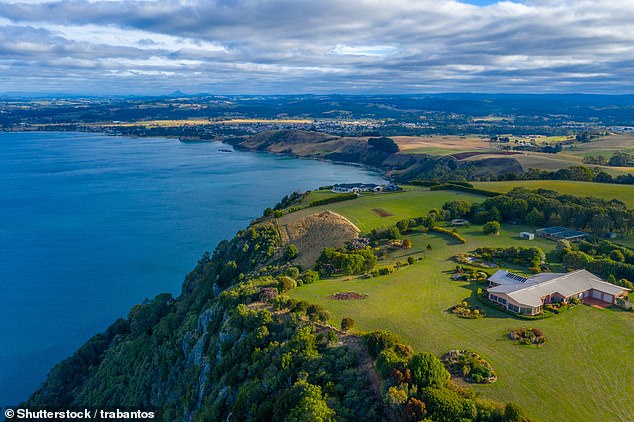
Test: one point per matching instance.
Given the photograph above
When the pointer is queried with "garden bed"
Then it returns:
(464, 310)
(348, 296)
(469, 366)
(528, 336)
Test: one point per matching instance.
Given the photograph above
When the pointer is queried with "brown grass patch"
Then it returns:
(348, 296)
(381, 212)
(314, 232)
(443, 142)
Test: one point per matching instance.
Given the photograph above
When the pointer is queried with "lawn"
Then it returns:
(584, 371)
(608, 191)
(407, 204)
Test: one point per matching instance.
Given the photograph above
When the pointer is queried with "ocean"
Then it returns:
(92, 224)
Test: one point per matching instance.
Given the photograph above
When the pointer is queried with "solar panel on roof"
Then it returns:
(516, 277)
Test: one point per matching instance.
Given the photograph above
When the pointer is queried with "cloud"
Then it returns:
(295, 46)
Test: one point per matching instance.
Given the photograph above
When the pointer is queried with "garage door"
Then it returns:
(596, 294)
(608, 298)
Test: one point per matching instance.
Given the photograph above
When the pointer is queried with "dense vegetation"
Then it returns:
(213, 352)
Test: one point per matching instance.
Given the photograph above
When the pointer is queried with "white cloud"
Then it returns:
(333, 46)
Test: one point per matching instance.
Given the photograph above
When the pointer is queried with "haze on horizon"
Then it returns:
(329, 46)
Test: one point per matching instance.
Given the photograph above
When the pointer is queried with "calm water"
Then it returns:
(92, 224)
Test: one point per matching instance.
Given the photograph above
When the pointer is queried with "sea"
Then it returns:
(91, 224)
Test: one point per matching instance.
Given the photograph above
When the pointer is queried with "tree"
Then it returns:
(347, 323)
(427, 370)
(415, 410)
(458, 208)
(534, 217)
(291, 252)
(407, 244)
(311, 406)
(492, 227)
(514, 413)
(429, 246)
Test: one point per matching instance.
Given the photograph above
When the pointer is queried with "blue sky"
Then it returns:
(304, 46)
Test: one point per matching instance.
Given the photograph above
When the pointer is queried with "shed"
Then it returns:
(527, 235)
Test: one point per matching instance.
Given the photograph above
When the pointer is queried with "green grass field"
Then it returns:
(600, 190)
(584, 372)
(407, 204)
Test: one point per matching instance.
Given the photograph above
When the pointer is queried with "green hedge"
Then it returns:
(339, 198)
(453, 186)
(449, 232)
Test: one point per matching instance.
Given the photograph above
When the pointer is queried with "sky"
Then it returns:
(316, 46)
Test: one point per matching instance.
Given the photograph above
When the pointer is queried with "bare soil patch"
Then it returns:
(348, 296)
(381, 212)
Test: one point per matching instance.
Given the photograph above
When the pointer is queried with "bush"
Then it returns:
(285, 283)
(377, 341)
(347, 323)
(427, 370)
(410, 260)
(491, 227)
(291, 252)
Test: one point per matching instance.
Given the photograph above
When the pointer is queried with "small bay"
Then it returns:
(92, 224)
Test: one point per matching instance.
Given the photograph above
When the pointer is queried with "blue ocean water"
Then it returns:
(92, 224)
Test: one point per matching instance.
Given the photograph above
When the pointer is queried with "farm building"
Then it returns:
(528, 295)
(527, 235)
(561, 233)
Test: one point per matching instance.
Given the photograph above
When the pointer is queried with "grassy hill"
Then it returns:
(582, 372)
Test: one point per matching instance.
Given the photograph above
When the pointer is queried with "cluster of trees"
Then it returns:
(613, 262)
(419, 387)
(576, 173)
(344, 261)
(618, 159)
(541, 206)
(384, 144)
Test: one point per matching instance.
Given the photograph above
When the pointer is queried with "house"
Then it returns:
(528, 295)
(527, 235)
(362, 187)
(561, 233)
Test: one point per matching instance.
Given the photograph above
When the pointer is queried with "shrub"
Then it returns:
(525, 335)
(427, 370)
(291, 252)
(410, 260)
(309, 277)
(377, 341)
(285, 283)
(347, 323)
(491, 227)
